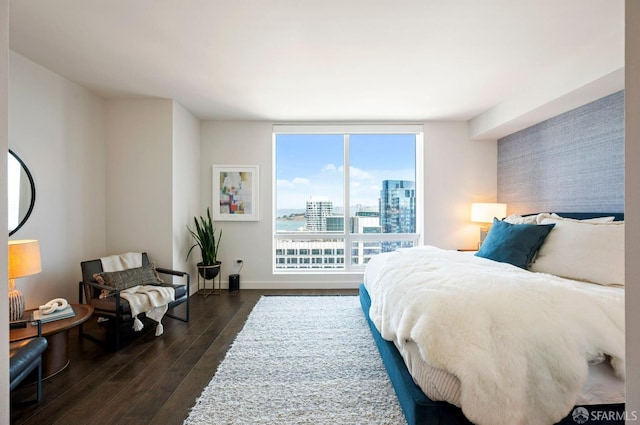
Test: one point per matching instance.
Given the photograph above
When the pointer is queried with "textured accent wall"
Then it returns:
(572, 162)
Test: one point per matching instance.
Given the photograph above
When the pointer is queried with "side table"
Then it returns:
(56, 357)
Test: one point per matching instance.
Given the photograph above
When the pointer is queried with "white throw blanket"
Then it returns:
(149, 299)
(128, 260)
(519, 342)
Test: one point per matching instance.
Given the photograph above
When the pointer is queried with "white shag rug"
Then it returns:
(301, 360)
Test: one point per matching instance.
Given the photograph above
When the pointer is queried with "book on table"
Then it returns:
(56, 315)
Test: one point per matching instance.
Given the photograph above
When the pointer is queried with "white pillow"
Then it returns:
(537, 219)
(518, 219)
(542, 216)
(582, 250)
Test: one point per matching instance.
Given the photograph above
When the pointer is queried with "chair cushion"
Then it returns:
(108, 304)
(145, 275)
(180, 290)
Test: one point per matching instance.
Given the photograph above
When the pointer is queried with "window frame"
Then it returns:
(347, 237)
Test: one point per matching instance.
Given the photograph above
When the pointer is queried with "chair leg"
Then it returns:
(39, 381)
(186, 316)
(117, 331)
(105, 343)
(188, 307)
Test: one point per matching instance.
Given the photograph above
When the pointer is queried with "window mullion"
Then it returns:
(347, 205)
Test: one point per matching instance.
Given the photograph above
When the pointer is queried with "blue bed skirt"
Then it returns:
(421, 410)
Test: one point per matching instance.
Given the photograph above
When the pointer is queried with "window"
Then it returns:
(345, 194)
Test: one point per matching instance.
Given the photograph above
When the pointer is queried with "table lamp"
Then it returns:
(24, 260)
(484, 213)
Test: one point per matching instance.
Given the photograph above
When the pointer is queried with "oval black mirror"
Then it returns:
(21, 192)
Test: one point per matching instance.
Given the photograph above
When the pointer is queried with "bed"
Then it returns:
(413, 325)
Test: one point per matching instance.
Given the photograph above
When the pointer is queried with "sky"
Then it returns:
(313, 166)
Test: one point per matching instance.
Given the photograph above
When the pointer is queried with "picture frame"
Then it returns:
(236, 192)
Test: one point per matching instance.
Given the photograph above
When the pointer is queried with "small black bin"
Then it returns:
(234, 282)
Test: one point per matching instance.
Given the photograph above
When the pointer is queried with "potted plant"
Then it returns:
(205, 237)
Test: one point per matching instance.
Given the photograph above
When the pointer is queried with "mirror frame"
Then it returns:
(33, 193)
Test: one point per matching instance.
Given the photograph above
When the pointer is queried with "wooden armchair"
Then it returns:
(25, 356)
(115, 307)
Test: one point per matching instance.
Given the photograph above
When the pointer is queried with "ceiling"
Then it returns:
(324, 60)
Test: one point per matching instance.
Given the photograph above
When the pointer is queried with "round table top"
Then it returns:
(83, 313)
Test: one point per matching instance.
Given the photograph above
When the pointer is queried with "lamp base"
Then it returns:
(16, 305)
(484, 230)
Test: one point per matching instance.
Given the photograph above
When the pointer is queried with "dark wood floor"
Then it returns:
(151, 380)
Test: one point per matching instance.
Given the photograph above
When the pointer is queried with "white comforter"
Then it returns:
(518, 341)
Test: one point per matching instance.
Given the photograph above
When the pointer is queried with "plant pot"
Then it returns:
(209, 272)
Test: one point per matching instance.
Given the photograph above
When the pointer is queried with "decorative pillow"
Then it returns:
(518, 219)
(513, 243)
(579, 250)
(537, 219)
(145, 275)
(541, 217)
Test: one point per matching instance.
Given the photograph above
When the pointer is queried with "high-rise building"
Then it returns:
(365, 222)
(398, 207)
(309, 254)
(318, 209)
(335, 223)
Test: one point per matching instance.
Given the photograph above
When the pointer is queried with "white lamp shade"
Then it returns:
(24, 258)
(485, 212)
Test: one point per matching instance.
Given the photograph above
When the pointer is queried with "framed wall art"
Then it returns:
(236, 192)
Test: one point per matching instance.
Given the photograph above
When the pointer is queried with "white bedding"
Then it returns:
(602, 386)
(522, 358)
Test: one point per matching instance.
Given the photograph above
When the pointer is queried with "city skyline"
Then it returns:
(395, 214)
(395, 208)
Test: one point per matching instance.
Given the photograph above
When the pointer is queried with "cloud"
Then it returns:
(357, 173)
(284, 183)
(291, 184)
(354, 172)
(329, 168)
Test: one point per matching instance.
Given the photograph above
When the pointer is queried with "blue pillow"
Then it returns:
(513, 243)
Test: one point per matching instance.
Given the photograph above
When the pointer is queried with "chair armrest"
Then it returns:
(177, 273)
(98, 286)
(116, 292)
(83, 284)
(171, 272)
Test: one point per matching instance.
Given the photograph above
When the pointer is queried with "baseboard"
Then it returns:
(298, 284)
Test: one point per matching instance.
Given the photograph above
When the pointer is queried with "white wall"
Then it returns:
(632, 203)
(186, 185)
(57, 128)
(458, 171)
(4, 132)
(152, 161)
(139, 178)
